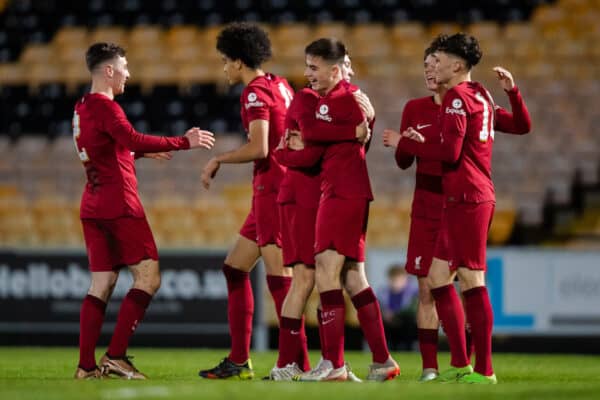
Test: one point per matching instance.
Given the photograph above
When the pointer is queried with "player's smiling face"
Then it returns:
(446, 66)
(118, 74)
(429, 72)
(320, 74)
(231, 69)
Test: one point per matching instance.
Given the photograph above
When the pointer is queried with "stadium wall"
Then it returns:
(535, 293)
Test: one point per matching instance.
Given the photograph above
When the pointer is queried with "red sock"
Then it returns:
(369, 317)
(428, 345)
(240, 308)
(469, 341)
(452, 318)
(303, 359)
(334, 316)
(290, 342)
(131, 313)
(321, 336)
(90, 323)
(279, 287)
(481, 319)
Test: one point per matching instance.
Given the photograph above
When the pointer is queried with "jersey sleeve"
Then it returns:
(257, 102)
(305, 158)
(404, 159)
(454, 126)
(120, 129)
(319, 130)
(517, 122)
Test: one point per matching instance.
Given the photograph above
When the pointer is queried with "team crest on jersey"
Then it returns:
(418, 262)
(253, 101)
(323, 113)
(456, 108)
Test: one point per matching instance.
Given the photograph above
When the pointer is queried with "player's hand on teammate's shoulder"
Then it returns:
(391, 138)
(363, 133)
(365, 104)
(412, 134)
(162, 156)
(505, 78)
(209, 172)
(200, 138)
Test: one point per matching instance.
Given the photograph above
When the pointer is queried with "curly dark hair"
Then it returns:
(246, 42)
(329, 49)
(461, 45)
(100, 52)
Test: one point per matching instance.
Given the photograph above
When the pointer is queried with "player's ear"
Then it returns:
(335, 71)
(109, 70)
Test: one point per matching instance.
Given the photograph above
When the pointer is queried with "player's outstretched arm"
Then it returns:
(256, 148)
(200, 138)
(161, 156)
(517, 122)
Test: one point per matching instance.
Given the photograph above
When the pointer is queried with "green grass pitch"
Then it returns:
(46, 373)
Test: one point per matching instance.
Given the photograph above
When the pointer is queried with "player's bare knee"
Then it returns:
(470, 279)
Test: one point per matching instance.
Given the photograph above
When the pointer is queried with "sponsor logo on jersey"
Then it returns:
(323, 113)
(418, 262)
(421, 126)
(456, 103)
(455, 111)
(251, 97)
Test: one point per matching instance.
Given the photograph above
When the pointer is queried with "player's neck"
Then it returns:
(439, 95)
(103, 89)
(248, 75)
(458, 79)
(333, 84)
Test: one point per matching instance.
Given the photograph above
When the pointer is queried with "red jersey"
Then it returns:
(423, 115)
(467, 139)
(301, 182)
(104, 140)
(344, 167)
(267, 97)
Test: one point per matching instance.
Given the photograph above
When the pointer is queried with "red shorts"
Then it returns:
(297, 234)
(421, 245)
(114, 243)
(262, 223)
(464, 233)
(342, 226)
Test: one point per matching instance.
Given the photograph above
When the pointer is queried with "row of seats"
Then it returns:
(27, 21)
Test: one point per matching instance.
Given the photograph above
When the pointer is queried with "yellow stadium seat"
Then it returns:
(37, 53)
(182, 35)
(409, 31)
(12, 74)
(71, 35)
(43, 73)
(517, 32)
(185, 53)
(445, 28)
(145, 36)
(111, 34)
(484, 30)
(288, 33)
(159, 73)
(194, 72)
(336, 30)
(72, 53)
